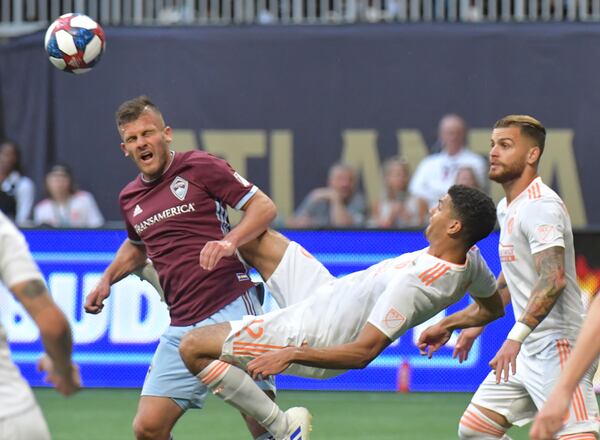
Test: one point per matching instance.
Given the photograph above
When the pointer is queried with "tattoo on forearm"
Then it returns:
(34, 288)
(550, 265)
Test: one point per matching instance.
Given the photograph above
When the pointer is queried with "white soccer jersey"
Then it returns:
(16, 265)
(393, 295)
(535, 221)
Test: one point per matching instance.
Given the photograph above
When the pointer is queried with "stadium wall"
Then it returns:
(282, 103)
(114, 348)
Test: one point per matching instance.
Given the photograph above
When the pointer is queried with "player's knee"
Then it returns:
(146, 429)
(474, 425)
(190, 350)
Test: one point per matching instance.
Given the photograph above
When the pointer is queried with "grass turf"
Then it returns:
(106, 414)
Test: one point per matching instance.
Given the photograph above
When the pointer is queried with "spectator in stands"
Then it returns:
(336, 205)
(66, 207)
(17, 191)
(397, 207)
(437, 172)
(466, 176)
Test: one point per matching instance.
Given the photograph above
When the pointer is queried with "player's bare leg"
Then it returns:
(479, 423)
(155, 418)
(265, 252)
(200, 350)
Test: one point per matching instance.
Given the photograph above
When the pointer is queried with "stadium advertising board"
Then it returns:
(115, 348)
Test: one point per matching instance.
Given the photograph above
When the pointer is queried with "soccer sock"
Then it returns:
(474, 425)
(237, 388)
(265, 436)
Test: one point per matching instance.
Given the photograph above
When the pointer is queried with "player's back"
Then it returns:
(535, 221)
(394, 295)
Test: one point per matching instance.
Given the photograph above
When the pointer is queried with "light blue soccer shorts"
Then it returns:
(168, 376)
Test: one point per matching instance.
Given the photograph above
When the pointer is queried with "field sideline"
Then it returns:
(106, 414)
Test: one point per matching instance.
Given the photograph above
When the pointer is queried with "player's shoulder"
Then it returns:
(539, 196)
(131, 188)
(198, 157)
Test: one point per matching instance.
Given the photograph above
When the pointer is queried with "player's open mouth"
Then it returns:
(146, 156)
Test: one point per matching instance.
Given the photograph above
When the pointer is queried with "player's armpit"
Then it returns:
(550, 265)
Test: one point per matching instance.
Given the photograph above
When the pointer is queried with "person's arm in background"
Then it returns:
(55, 333)
(25, 195)
(129, 258)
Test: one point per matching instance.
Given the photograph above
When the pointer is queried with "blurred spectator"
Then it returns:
(17, 191)
(437, 172)
(337, 205)
(66, 207)
(466, 176)
(397, 207)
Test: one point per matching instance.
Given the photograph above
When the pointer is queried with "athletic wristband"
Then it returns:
(519, 332)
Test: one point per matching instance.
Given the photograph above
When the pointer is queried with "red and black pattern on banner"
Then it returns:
(587, 260)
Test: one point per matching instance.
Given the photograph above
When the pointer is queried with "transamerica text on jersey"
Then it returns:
(157, 218)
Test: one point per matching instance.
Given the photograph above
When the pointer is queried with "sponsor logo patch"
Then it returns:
(242, 277)
(179, 187)
(241, 179)
(507, 252)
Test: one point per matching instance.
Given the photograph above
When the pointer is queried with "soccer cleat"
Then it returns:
(299, 420)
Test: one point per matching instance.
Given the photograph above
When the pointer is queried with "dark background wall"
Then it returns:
(283, 103)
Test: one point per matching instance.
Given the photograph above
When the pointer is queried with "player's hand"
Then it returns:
(505, 360)
(432, 339)
(65, 382)
(213, 251)
(273, 362)
(94, 302)
(465, 341)
(551, 417)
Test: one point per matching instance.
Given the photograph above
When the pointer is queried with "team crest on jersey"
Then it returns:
(394, 319)
(179, 187)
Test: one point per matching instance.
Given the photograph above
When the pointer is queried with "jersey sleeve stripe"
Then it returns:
(428, 271)
(430, 281)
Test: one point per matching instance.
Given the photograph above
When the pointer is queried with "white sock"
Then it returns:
(474, 425)
(265, 436)
(237, 388)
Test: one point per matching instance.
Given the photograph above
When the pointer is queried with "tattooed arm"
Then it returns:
(550, 266)
(54, 331)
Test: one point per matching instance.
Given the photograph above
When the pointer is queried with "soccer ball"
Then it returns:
(74, 43)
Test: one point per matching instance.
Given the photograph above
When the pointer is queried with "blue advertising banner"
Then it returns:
(114, 348)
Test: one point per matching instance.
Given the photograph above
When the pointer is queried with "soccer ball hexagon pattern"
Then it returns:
(74, 43)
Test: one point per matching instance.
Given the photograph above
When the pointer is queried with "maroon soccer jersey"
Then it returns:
(174, 216)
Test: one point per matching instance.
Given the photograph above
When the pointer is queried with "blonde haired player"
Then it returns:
(20, 415)
(330, 325)
(538, 274)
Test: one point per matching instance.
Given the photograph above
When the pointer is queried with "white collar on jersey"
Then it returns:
(172, 156)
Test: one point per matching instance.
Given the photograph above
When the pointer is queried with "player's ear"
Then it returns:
(124, 150)
(168, 132)
(534, 155)
(455, 227)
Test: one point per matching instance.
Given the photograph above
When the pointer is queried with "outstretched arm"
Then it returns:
(55, 333)
(550, 266)
(467, 337)
(587, 348)
(354, 355)
(129, 257)
(482, 311)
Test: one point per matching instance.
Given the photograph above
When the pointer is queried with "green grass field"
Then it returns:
(100, 414)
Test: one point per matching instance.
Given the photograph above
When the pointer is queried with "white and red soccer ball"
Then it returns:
(74, 43)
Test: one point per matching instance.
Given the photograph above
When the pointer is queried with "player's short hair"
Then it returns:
(476, 211)
(529, 126)
(131, 110)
